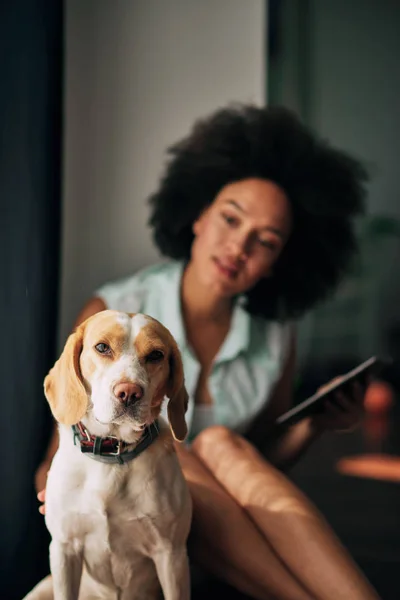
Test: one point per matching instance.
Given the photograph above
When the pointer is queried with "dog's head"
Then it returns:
(119, 366)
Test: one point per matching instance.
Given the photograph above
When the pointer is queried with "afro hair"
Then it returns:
(326, 189)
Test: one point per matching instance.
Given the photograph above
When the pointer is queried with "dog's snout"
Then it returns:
(128, 393)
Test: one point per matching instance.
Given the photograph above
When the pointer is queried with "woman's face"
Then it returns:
(240, 236)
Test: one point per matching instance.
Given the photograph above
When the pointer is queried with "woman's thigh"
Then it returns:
(244, 473)
(288, 521)
(226, 542)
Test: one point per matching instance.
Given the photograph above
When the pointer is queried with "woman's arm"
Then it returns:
(287, 446)
(93, 306)
(283, 446)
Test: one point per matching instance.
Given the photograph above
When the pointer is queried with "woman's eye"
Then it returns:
(267, 244)
(229, 219)
(155, 356)
(103, 348)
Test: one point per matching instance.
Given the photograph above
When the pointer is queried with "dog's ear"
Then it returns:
(63, 385)
(177, 394)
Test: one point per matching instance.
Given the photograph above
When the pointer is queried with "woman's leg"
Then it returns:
(296, 531)
(226, 542)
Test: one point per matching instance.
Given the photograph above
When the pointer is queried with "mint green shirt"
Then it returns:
(248, 364)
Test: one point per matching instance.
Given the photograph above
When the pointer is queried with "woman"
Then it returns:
(256, 215)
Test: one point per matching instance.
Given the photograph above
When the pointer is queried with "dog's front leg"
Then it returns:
(66, 561)
(172, 567)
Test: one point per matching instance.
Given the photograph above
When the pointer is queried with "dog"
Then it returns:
(117, 505)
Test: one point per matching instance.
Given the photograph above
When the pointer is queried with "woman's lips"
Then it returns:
(226, 268)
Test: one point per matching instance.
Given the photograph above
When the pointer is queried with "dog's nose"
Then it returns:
(128, 393)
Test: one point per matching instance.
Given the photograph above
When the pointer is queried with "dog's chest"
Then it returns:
(118, 539)
(120, 515)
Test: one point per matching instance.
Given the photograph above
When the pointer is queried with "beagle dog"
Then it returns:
(117, 505)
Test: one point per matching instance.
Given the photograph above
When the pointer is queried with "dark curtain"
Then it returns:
(31, 44)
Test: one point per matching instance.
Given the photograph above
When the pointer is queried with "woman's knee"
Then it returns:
(219, 448)
(212, 440)
(239, 467)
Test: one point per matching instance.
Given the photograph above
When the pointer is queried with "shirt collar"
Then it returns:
(238, 338)
(170, 303)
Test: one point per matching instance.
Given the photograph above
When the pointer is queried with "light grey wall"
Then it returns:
(138, 72)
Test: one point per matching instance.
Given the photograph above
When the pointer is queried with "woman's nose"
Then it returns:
(239, 247)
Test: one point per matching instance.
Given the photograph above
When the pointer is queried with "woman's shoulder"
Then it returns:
(271, 337)
(130, 292)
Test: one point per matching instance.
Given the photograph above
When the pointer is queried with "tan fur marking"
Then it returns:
(149, 338)
(107, 330)
(165, 438)
(63, 385)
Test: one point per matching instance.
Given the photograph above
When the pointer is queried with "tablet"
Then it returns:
(314, 403)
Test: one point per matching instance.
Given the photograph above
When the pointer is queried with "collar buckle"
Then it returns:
(84, 432)
(118, 449)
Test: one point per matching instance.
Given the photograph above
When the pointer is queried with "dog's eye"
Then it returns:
(103, 348)
(154, 356)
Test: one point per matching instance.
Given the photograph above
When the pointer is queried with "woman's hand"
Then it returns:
(40, 483)
(42, 497)
(344, 410)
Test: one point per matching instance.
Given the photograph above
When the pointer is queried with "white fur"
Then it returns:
(106, 407)
(138, 322)
(118, 531)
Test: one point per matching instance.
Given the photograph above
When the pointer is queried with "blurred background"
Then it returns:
(92, 94)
